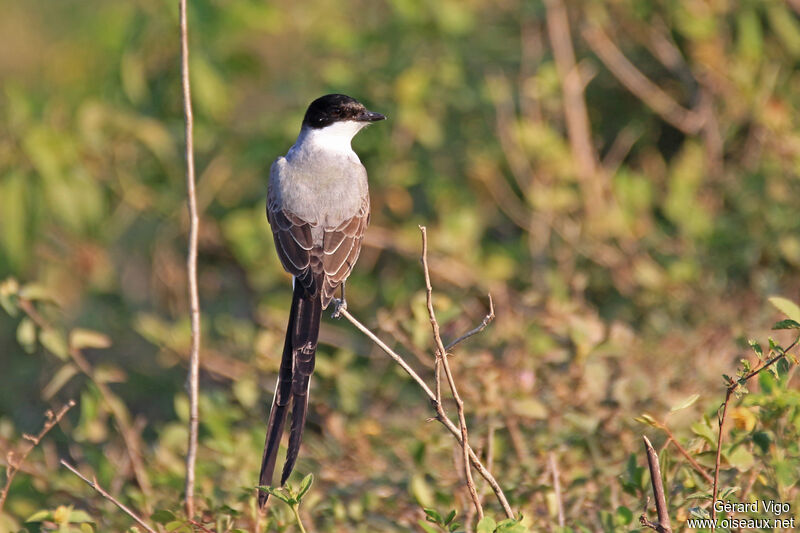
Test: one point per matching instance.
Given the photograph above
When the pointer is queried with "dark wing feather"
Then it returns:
(340, 248)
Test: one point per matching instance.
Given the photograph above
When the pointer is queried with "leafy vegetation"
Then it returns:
(632, 263)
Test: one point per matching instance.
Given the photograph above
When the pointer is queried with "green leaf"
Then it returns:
(78, 516)
(421, 490)
(702, 429)
(450, 516)
(35, 291)
(624, 515)
(757, 348)
(741, 459)
(86, 338)
(486, 525)
(786, 324)
(61, 378)
(685, 403)
(55, 343)
(432, 515)
(162, 516)
(304, 486)
(278, 493)
(40, 516)
(427, 527)
(26, 335)
(510, 525)
(644, 418)
(787, 307)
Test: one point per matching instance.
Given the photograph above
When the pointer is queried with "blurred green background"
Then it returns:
(629, 245)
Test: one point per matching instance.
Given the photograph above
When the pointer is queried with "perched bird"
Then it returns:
(318, 208)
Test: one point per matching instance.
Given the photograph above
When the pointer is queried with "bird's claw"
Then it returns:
(339, 306)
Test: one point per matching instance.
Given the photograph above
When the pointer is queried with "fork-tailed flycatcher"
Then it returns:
(318, 208)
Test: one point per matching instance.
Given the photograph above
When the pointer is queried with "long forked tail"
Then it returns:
(297, 365)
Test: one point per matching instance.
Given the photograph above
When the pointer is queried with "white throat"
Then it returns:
(333, 138)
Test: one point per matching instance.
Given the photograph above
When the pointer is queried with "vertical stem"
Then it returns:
(579, 129)
(556, 488)
(719, 452)
(441, 360)
(663, 525)
(191, 266)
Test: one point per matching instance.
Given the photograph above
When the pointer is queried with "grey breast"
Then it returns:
(323, 189)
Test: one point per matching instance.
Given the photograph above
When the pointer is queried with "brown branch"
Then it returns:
(575, 112)
(474, 331)
(452, 428)
(14, 464)
(640, 85)
(130, 436)
(191, 265)
(671, 439)
(441, 358)
(732, 386)
(93, 483)
(663, 525)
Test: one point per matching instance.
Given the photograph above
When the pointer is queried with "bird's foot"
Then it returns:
(339, 306)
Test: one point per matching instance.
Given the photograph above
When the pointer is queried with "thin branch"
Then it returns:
(93, 483)
(663, 525)
(383, 346)
(671, 439)
(14, 464)
(452, 428)
(441, 356)
(689, 122)
(551, 461)
(732, 386)
(575, 112)
(721, 421)
(129, 435)
(191, 266)
(474, 331)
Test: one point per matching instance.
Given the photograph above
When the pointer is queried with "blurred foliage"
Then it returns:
(610, 305)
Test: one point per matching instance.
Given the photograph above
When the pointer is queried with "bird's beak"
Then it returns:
(370, 116)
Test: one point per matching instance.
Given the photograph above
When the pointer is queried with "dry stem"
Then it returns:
(689, 122)
(452, 428)
(551, 460)
(441, 359)
(14, 464)
(93, 483)
(578, 127)
(663, 525)
(191, 266)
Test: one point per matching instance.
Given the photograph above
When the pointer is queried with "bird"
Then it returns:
(318, 209)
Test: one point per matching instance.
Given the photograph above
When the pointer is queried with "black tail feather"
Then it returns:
(297, 365)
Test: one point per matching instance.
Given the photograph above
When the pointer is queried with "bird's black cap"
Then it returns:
(331, 108)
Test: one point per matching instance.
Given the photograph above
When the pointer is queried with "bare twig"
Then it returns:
(191, 266)
(671, 439)
(578, 127)
(452, 428)
(121, 416)
(441, 356)
(689, 122)
(663, 525)
(551, 460)
(732, 386)
(474, 331)
(93, 483)
(14, 463)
